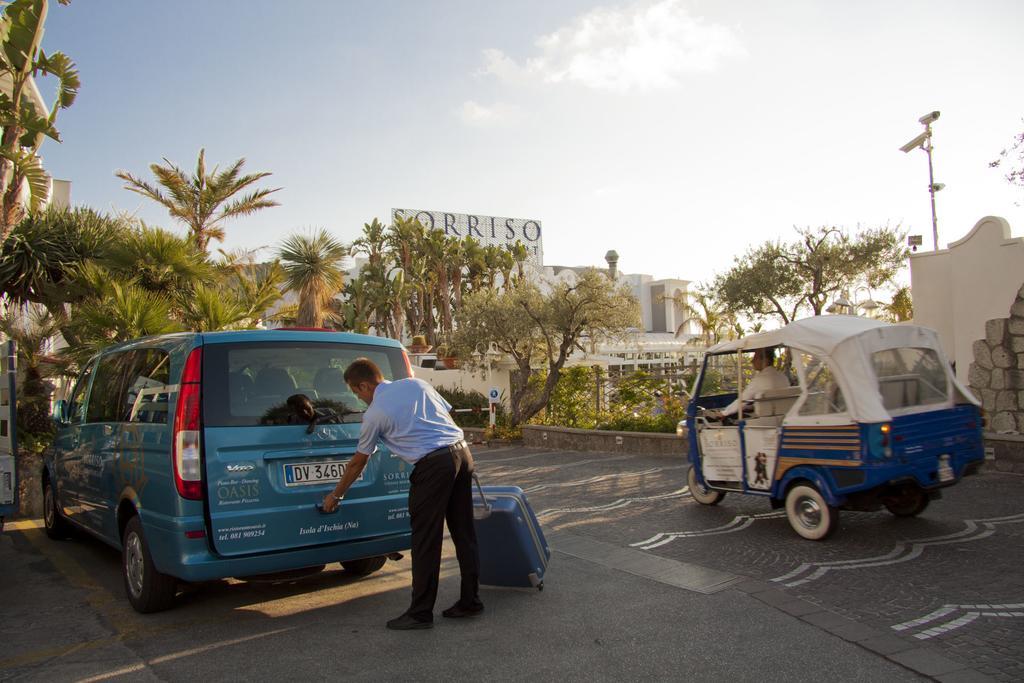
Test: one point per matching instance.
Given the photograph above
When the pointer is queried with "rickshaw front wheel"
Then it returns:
(809, 514)
(702, 495)
(909, 502)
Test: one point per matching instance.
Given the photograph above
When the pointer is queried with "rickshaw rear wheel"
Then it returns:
(910, 502)
(702, 495)
(809, 513)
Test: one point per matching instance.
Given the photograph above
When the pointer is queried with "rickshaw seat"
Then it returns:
(775, 402)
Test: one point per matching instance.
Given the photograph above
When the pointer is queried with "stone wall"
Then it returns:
(638, 443)
(997, 374)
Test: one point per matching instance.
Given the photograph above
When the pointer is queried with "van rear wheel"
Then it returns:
(809, 514)
(702, 495)
(148, 590)
(365, 566)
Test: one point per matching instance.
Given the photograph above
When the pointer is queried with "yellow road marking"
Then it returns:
(22, 524)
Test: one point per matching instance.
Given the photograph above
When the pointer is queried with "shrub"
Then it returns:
(460, 398)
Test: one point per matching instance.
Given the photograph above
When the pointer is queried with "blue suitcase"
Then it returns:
(513, 551)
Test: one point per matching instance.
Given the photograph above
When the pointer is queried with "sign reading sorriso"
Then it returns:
(484, 229)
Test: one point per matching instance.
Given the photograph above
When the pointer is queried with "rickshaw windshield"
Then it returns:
(910, 377)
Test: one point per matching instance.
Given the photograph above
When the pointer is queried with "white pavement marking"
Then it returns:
(738, 523)
(178, 655)
(598, 478)
(618, 504)
(971, 614)
(975, 530)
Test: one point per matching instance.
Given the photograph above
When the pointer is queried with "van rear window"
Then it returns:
(251, 384)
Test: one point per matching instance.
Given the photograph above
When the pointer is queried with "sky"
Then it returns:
(678, 132)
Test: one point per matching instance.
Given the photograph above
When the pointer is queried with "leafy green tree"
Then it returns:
(572, 402)
(781, 279)
(312, 268)
(24, 126)
(202, 201)
(539, 330)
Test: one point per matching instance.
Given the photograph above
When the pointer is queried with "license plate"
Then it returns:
(945, 470)
(308, 474)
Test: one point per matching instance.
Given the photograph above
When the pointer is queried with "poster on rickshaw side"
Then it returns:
(720, 454)
(762, 443)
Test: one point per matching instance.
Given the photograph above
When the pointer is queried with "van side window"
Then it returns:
(146, 395)
(107, 395)
(823, 393)
(76, 406)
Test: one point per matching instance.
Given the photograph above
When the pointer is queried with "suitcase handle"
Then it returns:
(483, 498)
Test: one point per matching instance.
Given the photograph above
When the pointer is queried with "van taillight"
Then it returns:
(187, 467)
(408, 365)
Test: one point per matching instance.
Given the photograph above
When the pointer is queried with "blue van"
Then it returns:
(185, 453)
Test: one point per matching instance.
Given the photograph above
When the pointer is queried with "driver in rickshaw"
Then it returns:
(766, 378)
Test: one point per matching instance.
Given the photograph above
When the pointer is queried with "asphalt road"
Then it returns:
(644, 583)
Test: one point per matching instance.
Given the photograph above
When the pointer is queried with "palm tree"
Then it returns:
(901, 309)
(705, 312)
(203, 201)
(119, 312)
(520, 254)
(31, 327)
(356, 309)
(437, 249)
(159, 261)
(39, 262)
(209, 308)
(312, 267)
(372, 243)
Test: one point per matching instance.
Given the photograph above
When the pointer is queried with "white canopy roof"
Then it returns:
(847, 343)
(819, 334)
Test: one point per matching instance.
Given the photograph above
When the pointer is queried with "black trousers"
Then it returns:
(441, 490)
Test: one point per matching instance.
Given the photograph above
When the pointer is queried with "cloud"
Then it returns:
(475, 114)
(642, 47)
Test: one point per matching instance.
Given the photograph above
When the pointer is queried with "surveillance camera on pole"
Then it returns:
(924, 141)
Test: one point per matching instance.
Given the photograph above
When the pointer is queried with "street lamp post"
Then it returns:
(924, 141)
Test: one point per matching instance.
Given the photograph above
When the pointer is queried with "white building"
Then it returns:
(958, 289)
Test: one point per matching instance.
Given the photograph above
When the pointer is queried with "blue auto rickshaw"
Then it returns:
(875, 418)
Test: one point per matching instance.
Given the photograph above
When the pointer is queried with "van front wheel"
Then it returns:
(365, 566)
(702, 495)
(809, 514)
(56, 526)
(148, 590)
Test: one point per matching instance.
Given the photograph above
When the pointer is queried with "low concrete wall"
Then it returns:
(639, 443)
(1008, 451)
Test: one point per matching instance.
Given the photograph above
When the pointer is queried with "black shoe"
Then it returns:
(408, 623)
(457, 611)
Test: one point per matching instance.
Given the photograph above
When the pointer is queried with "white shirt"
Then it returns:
(410, 418)
(769, 378)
